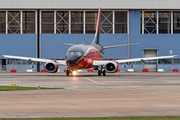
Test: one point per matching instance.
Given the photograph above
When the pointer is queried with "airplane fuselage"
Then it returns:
(82, 56)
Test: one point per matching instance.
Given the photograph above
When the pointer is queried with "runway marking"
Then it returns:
(97, 82)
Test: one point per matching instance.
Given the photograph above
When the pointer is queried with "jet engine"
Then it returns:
(51, 67)
(111, 67)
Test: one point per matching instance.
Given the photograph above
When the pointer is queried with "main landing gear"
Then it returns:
(101, 70)
(67, 72)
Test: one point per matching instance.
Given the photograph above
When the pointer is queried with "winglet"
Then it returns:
(96, 38)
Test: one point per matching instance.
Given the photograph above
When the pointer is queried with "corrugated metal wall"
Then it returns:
(52, 44)
(21, 67)
(18, 44)
(162, 42)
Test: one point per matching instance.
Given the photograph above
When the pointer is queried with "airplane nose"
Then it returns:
(72, 59)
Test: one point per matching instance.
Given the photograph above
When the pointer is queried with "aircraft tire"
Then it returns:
(104, 73)
(99, 72)
(67, 72)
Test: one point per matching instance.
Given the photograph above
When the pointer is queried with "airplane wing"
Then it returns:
(59, 62)
(103, 62)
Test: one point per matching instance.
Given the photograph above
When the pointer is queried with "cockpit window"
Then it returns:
(74, 53)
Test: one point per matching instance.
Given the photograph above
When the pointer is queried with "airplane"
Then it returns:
(85, 56)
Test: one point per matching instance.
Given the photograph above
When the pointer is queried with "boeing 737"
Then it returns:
(85, 56)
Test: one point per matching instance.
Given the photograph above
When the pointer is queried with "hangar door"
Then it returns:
(151, 65)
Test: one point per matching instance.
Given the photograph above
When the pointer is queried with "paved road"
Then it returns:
(119, 94)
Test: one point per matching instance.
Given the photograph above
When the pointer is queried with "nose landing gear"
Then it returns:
(73, 73)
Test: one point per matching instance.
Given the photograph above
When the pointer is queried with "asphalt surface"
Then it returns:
(88, 95)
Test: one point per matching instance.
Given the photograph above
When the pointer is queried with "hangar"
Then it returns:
(38, 28)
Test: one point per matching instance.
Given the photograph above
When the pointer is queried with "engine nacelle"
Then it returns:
(111, 67)
(51, 67)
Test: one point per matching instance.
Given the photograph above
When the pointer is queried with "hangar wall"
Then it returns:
(51, 45)
(164, 43)
(18, 44)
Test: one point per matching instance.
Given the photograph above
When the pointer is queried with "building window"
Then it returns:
(47, 22)
(150, 22)
(62, 22)
(164, 61)
(176, 61)
(14, 61)
(164, 22)
(91, 21)
(106, 22)
(28, 20)
(76, 22)
(176, 22)
(14, 24)
(2, 22)
(149, 62)
(120, 21)
(11, 61)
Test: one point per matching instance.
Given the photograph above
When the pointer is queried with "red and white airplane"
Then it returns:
(84, 56)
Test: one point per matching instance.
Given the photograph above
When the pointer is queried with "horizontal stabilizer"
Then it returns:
(107, 47)
(68, 44)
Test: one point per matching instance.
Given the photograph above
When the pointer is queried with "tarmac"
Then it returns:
(88, 95)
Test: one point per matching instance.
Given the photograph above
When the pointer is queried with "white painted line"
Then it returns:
(97, 82)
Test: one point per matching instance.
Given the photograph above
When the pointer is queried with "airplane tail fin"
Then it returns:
(96, 38)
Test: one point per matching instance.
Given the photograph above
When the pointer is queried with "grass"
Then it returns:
(12, 88)
(105, 118)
